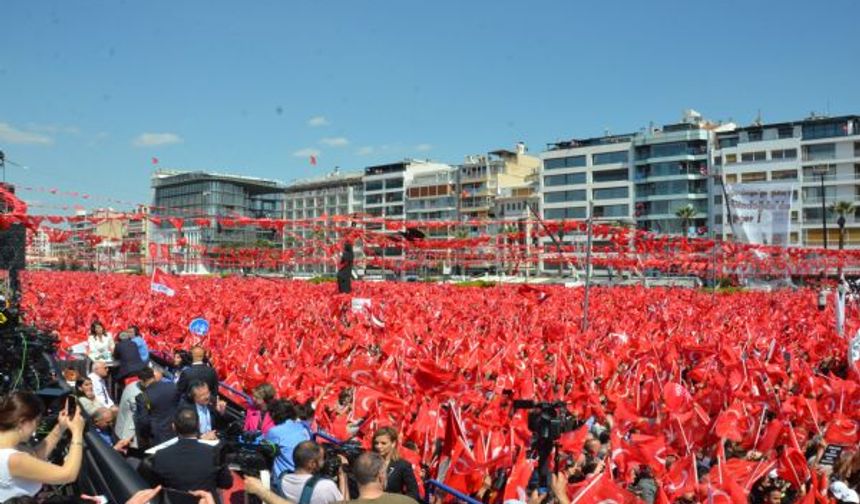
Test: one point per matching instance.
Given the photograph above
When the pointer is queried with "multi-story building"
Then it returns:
(483, 179)
(814, 152)
(385, 198)
(670, 172)
(580, 172)
(323, 197)
(200, 198)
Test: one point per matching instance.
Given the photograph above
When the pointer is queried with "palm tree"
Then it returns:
(686, 214)
(841, 208)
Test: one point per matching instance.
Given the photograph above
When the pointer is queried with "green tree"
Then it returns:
(686, 214)
(841, 208)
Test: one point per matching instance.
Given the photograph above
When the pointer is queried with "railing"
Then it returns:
(431, 485)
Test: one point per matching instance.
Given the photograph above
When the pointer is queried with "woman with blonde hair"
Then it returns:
(401, 478)
(257, 416)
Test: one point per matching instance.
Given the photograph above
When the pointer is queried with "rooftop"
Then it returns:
(254, 185)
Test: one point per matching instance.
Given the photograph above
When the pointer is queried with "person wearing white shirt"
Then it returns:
(100, 388)
(100, 343)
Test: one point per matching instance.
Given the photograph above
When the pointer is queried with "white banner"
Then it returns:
(761, 212)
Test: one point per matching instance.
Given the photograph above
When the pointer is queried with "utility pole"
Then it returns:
(587, 266)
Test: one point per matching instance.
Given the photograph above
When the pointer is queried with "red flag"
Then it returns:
(574, 440)
(602, 490)
(161, 283)
(518, 481)
(681, 478)
(793, 468)
(313, 160)
(728, 424)
(841, 430)
(155, 160)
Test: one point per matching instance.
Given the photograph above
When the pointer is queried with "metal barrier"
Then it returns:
(431, 486)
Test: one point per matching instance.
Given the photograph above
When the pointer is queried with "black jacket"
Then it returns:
(128, 356)
(189, 465)
(156, 406)
(401, 479)
(218, 420)
(198, 372)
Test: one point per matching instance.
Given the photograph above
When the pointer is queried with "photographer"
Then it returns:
(303, 486)
(22, 474)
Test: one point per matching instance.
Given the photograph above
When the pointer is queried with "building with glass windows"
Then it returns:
(813, 152)
(335, 194)
(199, 198)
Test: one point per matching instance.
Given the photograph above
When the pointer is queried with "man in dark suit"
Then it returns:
(198, 371)
(127, 354)
(189, 464)
(210, 418)
(156, 406)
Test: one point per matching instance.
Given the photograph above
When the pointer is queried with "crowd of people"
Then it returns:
(678, 397)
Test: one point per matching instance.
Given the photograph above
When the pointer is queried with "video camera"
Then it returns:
(246, 452)
(332, 463)
(547, 421)
(24, 353)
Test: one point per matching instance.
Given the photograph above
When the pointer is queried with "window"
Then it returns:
(561, 196)
(728, 142)
(813, 172)
(564, 213)
(856, 149)
(610, 193)
(786, 132)
(609, 157)
(611, 211)
(753, 177)
(375, 185)
(731, 159)
(811, 214)
(748, 157)
(825, 130)
(568, 179)
(396, 196)
(609, 176)
(754, 136)
(565, 162)
(731, 178)
(819, 151)
(718, 160)
(784, 175)
(784, 154)
(373, 199)
(394, 183)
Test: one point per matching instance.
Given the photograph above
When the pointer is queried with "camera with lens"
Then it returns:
(547, 420)
(25, 353)
(246, 452)
(332, 462)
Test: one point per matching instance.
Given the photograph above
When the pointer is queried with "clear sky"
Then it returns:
(91, 90)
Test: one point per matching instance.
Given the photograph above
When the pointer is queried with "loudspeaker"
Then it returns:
(12, 252)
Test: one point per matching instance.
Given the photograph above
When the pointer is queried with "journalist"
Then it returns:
(399, 474)
(303, 486)
(23, 473)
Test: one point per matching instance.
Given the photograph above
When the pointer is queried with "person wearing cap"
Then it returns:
(842, 493)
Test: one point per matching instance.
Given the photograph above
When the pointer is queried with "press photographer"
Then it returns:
(27, 470)
(547, 421)
(306, 485)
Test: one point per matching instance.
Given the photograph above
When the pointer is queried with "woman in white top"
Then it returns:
(87, 397)
(100, 343)
(23, 474)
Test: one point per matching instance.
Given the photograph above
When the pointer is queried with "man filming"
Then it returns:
(303, 486)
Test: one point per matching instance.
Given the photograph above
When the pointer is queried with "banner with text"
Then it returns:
(761, 212)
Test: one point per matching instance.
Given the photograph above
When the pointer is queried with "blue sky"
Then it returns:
(90, 91)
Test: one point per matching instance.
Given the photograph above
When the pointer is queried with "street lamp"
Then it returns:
(821, 171)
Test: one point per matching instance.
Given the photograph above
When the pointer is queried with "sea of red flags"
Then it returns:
(678, 371)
